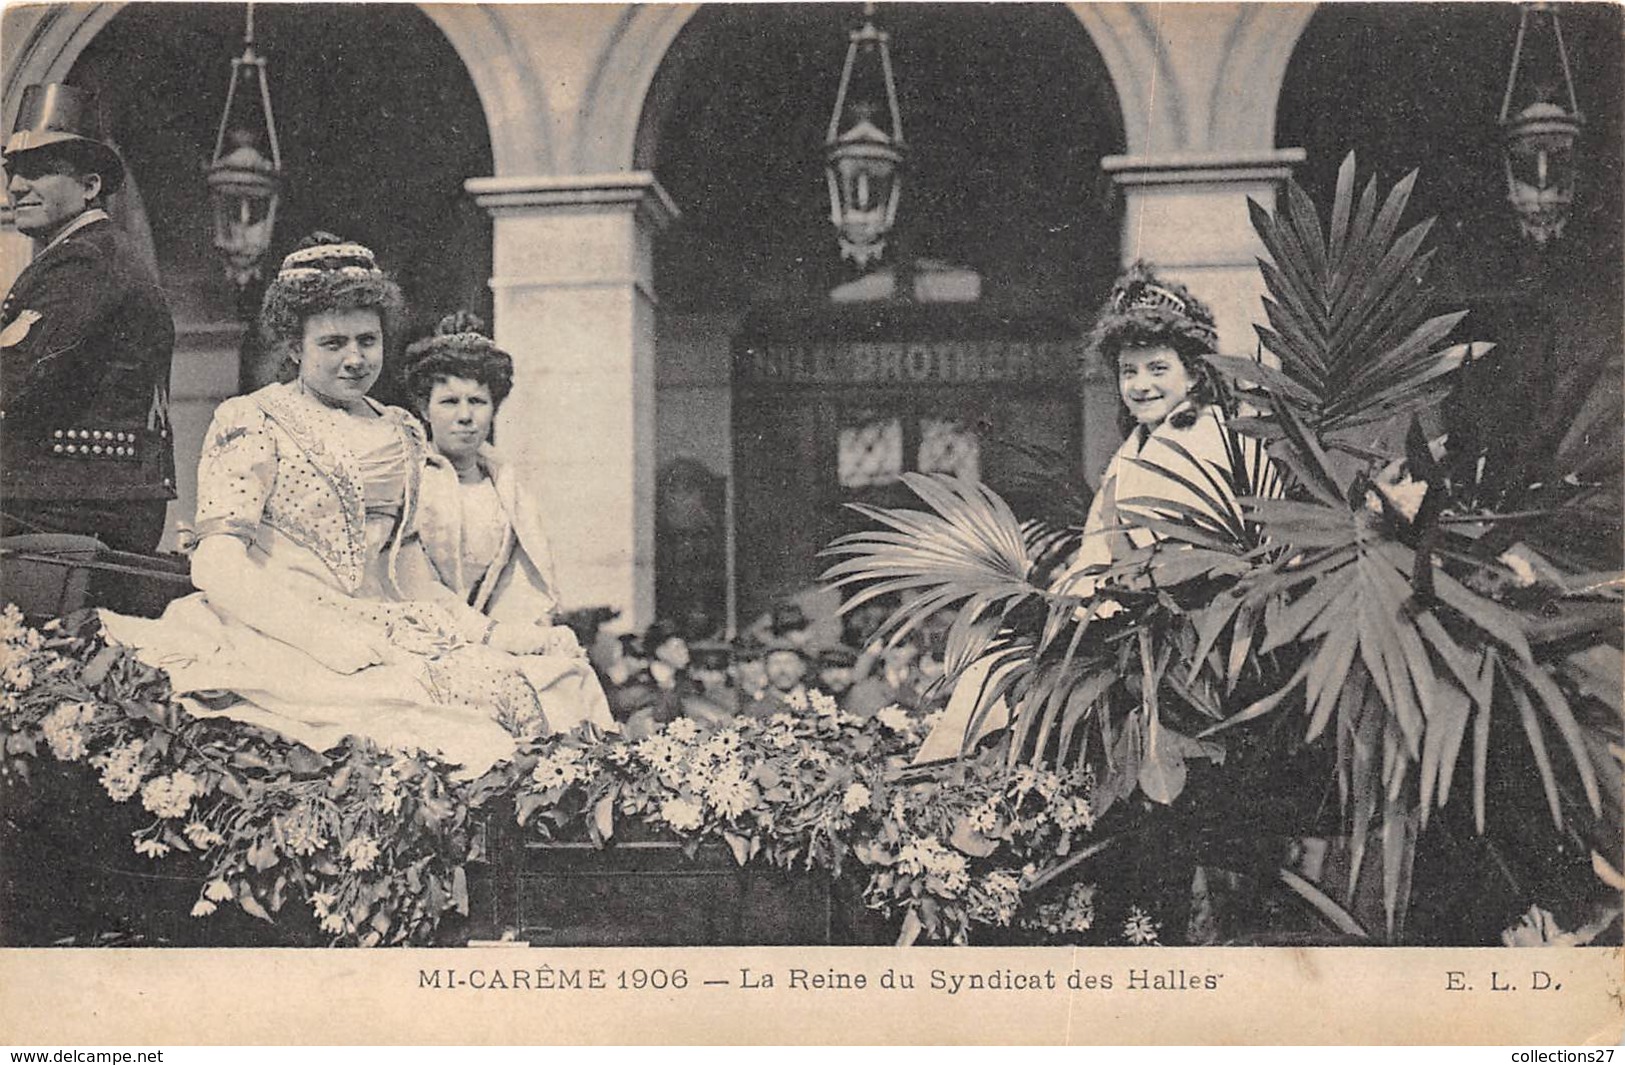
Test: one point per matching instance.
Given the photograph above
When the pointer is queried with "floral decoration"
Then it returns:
(375, 844)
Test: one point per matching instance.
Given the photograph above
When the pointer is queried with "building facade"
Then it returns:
(631, 193)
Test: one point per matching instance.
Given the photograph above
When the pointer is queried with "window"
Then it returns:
(870, 453)
(946, 446)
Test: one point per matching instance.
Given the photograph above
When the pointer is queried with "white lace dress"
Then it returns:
(325, 504)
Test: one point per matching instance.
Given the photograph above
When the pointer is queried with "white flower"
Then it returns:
(362, 852)
(322, 902)
(659, 752)
(682, 814)
(895, 718)
(1073, 812)
(61, 727)
(202, 836)
(1140, 929)
(723, 745)
(19, 677)
(985, 819)
(334, 924)
(781, 739)
(12, 625)
(732, 795)
(217, 890)
(121, 771)
(683, 730)
(1522, 570)
(1023, 780)
(67, 745)
(945, 870)
(823, 705)
(998, 896)
(58, 664)
(781, 720)
(170, 796)
(560, 769)
(203, 908)
(797, 700)
(856, 797)
(151, 848)
(301, 832)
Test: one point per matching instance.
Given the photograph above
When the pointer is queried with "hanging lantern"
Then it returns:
(244, 184)
(863, 161)
(1539, 131)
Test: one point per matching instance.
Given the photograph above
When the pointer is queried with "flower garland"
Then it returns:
(376, 842)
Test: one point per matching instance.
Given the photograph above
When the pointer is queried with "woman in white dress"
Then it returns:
(1154, 335)
(482, 531)
(319, 615)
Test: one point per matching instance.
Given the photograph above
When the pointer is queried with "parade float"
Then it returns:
(1382, 709)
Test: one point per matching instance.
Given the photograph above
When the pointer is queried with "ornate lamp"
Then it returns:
(244, 185)
(1539, 132)
(863, 161)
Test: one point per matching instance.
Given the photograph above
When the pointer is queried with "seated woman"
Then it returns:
(1154, 335)
(482, 531)
(318, 614)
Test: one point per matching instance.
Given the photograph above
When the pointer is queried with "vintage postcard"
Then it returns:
(811, 523)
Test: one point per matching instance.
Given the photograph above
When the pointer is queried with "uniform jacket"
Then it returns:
(86, 340)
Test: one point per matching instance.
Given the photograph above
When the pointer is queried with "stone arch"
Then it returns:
(1220, 92)
(507, 83)
(626, 103)
(1253, 72)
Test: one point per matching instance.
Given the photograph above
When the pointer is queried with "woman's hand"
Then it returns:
(535, 639)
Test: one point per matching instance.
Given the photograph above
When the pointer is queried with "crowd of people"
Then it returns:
(779, 667)
(365, 570)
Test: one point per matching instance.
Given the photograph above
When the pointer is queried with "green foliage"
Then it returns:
(1391, 596)
(377, 844)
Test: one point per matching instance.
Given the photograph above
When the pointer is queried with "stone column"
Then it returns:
(574, 304)
(1186, 213)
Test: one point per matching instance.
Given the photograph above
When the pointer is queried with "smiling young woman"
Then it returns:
(1156, 336)
(318, 608)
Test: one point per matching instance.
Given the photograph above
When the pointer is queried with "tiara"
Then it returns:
(346, 260)
(1140, 295)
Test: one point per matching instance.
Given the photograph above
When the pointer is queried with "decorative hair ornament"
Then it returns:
(1138, 293)
(346, 259)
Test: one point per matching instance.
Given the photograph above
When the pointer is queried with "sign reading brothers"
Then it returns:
(947, 362)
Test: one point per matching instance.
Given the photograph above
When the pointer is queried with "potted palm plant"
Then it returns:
(1293, 688)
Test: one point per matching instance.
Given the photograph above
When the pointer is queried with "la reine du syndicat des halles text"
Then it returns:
(793, 978)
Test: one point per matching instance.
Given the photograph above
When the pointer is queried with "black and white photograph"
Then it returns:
(1107, 483)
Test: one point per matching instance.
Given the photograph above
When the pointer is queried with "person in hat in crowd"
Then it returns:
(319, 613)
(835, 665)
(481, 529)
(749, 672)
(1154, 335)
(86, 339)
(710, 670)
(784, 662)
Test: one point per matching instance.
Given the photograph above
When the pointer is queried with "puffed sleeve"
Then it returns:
(236, 472)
